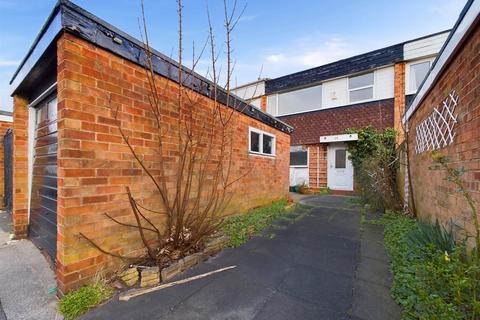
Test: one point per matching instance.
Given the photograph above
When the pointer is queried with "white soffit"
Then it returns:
(442, 60)
(339, 138)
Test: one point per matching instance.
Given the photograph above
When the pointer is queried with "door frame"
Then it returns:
(32, 116)
(331, 147)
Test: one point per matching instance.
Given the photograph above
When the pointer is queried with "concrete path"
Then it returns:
(25, 279)
(318, 264)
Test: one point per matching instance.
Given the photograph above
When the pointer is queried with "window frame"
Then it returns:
(408, 72)
(261, 134)
(360, 88)
(308, 157)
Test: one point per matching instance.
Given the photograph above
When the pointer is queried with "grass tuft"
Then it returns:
(242, 227)
(77, 302)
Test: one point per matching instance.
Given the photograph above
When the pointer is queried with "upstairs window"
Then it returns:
(298, 156)
(261, 142)
(295, 101)
(360, 88)
(301, 100)
(418, 72)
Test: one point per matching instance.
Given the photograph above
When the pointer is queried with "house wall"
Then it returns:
(424, 47)
(95, 165)
(434, 196)
(4, 126)
(310, 126)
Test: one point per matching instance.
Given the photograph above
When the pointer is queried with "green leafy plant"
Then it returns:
(375, 161)
(81, 300)
(426, 234)
(242, 227)
(429, 283)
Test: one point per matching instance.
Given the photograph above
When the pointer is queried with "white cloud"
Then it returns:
(308, 52)
(8, 63)
(276, 58)
(245, 18)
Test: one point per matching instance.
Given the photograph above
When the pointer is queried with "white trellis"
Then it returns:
(436, 131)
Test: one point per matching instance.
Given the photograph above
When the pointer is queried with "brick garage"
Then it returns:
(94, 165)
(457, 69)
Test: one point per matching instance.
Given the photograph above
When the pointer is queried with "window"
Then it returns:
(261, 142)
(300, 100)
(360, 87)
(418, 72)
(340, 158)
(295, 101)
(254, 141)
(298, 156)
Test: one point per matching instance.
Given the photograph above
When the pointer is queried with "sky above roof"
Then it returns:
(272, 38)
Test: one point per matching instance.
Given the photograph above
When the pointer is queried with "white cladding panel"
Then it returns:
(250, 91)
(334, 93)
(256, 103)
(424, 47)
(384, 83)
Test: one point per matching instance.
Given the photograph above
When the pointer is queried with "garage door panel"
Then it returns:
(48, 192)
(45, 170)
(46, 159)
(45, 181)
(44, 219)
(45, 150)
(46, 140)
(47, 129)
(43, 212)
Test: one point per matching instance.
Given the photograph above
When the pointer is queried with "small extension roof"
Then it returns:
(68, 17)
(363, 62)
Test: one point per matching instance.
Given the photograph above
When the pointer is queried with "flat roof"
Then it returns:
(69, 17)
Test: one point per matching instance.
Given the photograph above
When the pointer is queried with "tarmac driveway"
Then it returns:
(318, 264)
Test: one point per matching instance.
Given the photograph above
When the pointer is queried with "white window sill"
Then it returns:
(264, 155)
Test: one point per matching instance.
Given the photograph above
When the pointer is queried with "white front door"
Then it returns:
(339, 167)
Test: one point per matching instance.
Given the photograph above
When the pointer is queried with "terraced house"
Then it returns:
(322, 102)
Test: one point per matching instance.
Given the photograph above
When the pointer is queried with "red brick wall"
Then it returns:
(20, 167)
(4, 126)
(95, 166)
(435, 197)
(399, 98)
(309, 126)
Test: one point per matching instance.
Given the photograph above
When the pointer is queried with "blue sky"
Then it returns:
(282, 36)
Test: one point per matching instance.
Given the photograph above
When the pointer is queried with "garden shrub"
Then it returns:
(430, 283)
(375, 162)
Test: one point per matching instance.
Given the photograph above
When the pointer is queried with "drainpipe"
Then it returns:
(318, 167)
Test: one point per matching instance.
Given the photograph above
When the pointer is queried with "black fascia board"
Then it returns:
(68, 17)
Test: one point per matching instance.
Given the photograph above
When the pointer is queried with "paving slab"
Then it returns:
(25, 278)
